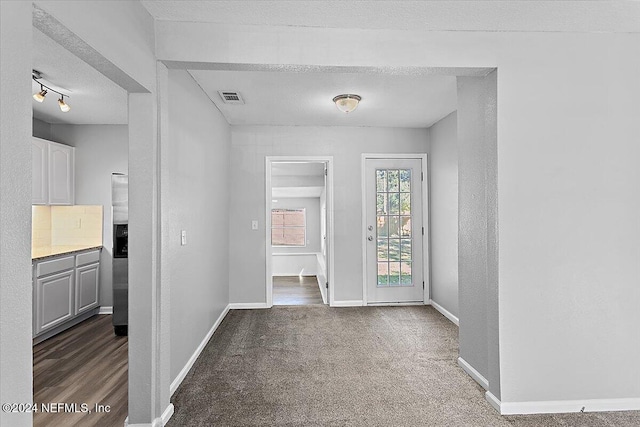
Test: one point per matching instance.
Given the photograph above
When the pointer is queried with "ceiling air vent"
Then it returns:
(230, 97)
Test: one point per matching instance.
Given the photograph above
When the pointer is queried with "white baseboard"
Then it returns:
(568, 406)
(470, 370)
(495, 403)
(446, 313)
(393, 304)
(247, 305)
(158, 422)
(323, 289)
(167, 414)
(106, 309)
(185, 370)
(347, 303)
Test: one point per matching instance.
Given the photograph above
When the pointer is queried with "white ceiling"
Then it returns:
(305, 98)
(93, 98)
(297, 169)
(307, 176)
(505, 15)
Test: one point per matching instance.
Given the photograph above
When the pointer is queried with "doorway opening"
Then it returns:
(299, 230)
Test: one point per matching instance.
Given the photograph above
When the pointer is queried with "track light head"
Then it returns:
(40, 95)
(64, 107)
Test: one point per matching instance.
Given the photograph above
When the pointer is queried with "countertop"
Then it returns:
(50, 251)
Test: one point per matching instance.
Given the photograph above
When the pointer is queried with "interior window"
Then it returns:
(288, 227)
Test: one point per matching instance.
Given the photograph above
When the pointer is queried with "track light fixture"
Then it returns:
(63, 105)
(39, 96)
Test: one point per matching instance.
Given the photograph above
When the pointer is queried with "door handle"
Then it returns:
(370, 238)
(370, 228)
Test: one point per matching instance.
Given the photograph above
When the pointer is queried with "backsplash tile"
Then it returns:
(66, 226)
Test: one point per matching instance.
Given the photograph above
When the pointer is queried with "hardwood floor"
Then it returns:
(296, 290)
(85, 364)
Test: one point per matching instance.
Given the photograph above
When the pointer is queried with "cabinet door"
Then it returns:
(55, 300)
(40, 169)
(61, 174)
(87, 287)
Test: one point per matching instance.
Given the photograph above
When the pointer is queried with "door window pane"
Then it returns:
(405, 180)
(405, 274)
(383, 227)
(392, 177)
(383, 274)
(394, 274)
(383, 250)
(394, 249)
(405, 204)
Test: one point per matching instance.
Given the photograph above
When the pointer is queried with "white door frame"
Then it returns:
(268, 206)
(425, 221)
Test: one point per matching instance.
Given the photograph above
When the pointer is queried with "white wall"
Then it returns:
(477, 258)
(195, 199)
(16, 367)
(41, 129)
(100, 151)
(568, 195)
(250, 145)
(443, 212)
(312, 216)
(127, 57)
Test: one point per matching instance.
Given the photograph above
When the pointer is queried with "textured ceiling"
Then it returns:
(305, 98)
(563, 16)
(93, 98)
(297, 169)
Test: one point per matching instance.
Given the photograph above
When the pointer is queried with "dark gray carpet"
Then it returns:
(365, 366)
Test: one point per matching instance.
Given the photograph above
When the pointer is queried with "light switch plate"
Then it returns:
(254, 225)
(183, 237)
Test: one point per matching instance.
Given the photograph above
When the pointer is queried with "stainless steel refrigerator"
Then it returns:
(120, 215)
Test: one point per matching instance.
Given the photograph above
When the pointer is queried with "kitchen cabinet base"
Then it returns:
(121, 330)
(80, 318)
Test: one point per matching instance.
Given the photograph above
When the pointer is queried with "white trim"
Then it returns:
(568, 406)
(323, 289)
(493, 401)
(247, 305)
(167, 414)
(106, 309)
(268, 205)
(328, 160)
(185, 370)
(161, 421)
(294, 253)
(394, 304)
(445, 312)
(346, 303)
(426, 275)
(470, 370)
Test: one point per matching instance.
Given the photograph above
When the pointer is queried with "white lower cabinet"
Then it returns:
(87, 282)
(64, 288)
(54, 296)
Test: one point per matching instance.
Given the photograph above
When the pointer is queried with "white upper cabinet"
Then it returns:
(53, 173)
(61, 174)
(40, 182)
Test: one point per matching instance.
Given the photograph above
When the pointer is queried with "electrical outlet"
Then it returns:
(254, 225)
(183, 237)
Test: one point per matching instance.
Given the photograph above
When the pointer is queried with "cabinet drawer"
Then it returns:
(55, 265)
(87, 258)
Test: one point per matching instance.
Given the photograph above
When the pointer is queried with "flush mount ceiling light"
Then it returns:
(39, 96)
(347, 102)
